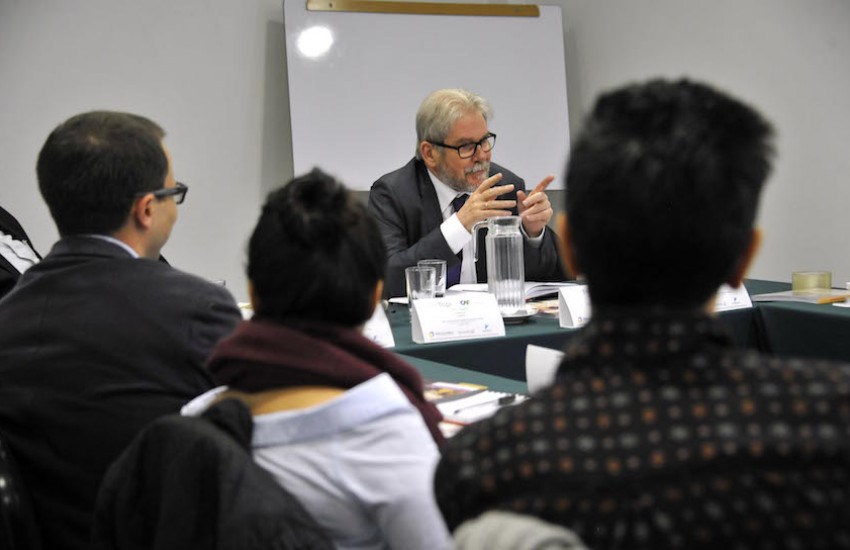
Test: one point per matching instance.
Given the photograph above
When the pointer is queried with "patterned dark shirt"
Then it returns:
(658, 434)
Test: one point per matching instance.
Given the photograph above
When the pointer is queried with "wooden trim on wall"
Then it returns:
(425, 8)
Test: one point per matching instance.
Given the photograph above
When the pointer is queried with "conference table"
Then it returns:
(432, 371)
(781, 328)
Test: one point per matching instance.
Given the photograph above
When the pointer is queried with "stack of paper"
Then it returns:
(467, 403)
(813, 296)
(533, 290)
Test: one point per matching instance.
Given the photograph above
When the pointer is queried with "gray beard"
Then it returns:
(461, 186)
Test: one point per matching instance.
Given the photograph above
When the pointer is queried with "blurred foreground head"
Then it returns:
(662, 190)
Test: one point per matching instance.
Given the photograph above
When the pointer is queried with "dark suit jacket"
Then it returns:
(191, 484)
(405, 205)
(95, 344)
(8, 273)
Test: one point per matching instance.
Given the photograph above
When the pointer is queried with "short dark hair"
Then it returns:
(94, 164)
(662, 189)
(315, 254)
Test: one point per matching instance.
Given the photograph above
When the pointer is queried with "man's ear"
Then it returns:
(429, 154)
(568, 255)
(746, 260)
(141, 213)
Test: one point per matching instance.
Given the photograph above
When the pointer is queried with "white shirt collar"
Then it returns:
(375, 398)
(116, 242)
(445, 194)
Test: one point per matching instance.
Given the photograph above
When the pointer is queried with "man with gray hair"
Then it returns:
(428, 207)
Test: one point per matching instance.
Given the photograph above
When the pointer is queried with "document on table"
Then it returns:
(477, 406)
(533, 290)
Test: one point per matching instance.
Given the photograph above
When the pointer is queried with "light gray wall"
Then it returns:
(210, 72)
(213, 73)
(790, 58)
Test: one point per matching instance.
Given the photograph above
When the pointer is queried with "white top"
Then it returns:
(362, 464)
(18, 253)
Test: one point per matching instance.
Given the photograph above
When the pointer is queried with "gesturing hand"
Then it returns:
(482, 203)
(535, 208)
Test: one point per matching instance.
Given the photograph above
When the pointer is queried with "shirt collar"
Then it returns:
(116, 242)
(445, 194)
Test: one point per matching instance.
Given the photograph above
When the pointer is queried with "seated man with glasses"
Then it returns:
(427, 208)
(100, 338)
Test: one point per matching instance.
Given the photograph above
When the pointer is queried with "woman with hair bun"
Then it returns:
(339, 421)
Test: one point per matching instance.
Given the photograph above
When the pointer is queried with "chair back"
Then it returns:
(17, 523)
(192, 483)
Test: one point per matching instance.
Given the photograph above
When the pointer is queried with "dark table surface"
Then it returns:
(505, 356)
(793, 329)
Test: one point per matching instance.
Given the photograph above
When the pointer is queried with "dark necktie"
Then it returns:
(453, 271)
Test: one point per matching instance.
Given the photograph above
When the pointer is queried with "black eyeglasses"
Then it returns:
(467, 150)
(178, 192)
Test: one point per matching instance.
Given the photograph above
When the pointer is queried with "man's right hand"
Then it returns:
(482, 203)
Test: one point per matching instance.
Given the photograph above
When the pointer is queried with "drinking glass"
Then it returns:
(439, 275)
(420, 283)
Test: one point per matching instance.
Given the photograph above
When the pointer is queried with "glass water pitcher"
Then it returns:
(505, 265)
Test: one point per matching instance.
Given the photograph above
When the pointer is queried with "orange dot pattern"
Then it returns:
(659, 434)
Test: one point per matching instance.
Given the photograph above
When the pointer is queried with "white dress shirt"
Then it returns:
(456, 235)
(362, 464)
(18, 253)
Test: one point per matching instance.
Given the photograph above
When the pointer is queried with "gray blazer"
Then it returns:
(405, 205)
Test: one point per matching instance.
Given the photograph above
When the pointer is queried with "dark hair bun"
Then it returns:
(312, 210)
(315, 254)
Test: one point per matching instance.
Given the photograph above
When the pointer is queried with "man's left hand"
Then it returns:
(535, 208)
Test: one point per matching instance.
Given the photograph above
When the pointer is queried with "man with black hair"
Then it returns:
(100, 338)
(339, 421)
(657, 432)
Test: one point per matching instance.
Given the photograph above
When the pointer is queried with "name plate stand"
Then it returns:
(377, 328)
(573, 306)
(574, 303)
(457, 316)
(729, 298)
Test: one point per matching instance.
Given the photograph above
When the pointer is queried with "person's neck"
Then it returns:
(137, 242)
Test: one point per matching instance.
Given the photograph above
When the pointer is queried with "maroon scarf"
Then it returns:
(262, 355)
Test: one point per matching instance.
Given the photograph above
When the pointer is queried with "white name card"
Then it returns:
(457, 316)
(541, 366)
(732, 298)
(377, 328)
(573, 306)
